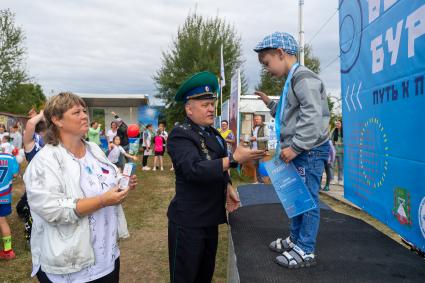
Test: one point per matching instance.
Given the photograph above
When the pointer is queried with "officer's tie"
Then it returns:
(210, 132)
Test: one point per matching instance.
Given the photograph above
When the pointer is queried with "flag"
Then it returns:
(222, 78)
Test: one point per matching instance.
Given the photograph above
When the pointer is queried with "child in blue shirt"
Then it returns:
(8, 171)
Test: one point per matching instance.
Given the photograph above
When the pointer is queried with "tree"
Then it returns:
(11, 54)
(273, 86)
(22, 98)
(196, 49)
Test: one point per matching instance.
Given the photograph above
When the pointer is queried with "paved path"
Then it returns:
(337, 192)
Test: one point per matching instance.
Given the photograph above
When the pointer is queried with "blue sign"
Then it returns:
(133, 145)
(290, 188)
(148, 115)
(382, 49)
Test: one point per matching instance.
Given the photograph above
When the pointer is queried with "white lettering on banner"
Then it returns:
(377, 54)
(374, 9)
(388, 3)
(415, 25)
(415, 28)
(394, 42)
(375, 5)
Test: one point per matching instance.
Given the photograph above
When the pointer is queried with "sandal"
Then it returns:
(296, 258)
(281, 245)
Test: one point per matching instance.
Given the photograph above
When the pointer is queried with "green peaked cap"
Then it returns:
(203, 85)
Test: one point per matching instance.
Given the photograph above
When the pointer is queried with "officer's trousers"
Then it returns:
(191, 253)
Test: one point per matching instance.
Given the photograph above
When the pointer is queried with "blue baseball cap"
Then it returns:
(278, 40)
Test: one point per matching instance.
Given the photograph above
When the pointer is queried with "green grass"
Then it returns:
(144, 256)
(19, 269)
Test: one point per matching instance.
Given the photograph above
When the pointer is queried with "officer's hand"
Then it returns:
(232, 199)
(243, 154)
(263, 97)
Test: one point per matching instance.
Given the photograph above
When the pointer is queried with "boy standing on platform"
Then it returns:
(8, 171)
(303, 118)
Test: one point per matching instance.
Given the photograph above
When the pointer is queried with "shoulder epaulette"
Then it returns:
(185, 126)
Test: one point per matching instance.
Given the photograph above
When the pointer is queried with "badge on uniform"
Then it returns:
(205, 150)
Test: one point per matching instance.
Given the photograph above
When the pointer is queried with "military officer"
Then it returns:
(203, 187)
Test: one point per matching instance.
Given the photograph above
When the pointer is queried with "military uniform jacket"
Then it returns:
(201, 183)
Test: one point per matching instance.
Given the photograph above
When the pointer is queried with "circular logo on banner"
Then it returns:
(373, 153)
(421, 216)
(350, 33)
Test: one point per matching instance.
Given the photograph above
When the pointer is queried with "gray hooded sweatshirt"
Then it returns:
(306, 113)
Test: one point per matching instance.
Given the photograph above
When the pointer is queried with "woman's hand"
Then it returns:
(133, 182)
(114, 196)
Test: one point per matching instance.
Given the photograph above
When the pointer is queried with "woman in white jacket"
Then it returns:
(75, 201)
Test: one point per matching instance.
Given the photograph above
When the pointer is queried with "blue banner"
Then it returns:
(148, 115)
(133, 145)
(290, 188)
(382, 47)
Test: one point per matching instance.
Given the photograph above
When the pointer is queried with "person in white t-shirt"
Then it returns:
(147, 147)
(259, 140)
(3, 131)
(5, 146)
(112, 132)
(115, 150)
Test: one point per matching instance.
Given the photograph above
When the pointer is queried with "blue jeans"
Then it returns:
(310, 166)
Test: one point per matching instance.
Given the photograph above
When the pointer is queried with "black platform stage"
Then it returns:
(348, 249)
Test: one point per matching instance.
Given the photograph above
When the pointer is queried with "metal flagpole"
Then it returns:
(301, 29)
(221, 100)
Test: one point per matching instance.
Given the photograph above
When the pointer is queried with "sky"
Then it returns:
(109, 46)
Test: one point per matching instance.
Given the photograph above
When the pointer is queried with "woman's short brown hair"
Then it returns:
(56, 106)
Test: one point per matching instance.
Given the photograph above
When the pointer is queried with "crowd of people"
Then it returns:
(72, 205)
(152, 143)
(38, 132)
(335, 158)
(259, 138)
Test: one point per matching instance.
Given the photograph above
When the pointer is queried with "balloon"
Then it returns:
(133, 131)
(262, 169)
(20, 156)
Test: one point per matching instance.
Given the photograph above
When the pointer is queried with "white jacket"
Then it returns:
(60, 239)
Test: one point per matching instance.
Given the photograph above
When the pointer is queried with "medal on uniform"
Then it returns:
(205, 150)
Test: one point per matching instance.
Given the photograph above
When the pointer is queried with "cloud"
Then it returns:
(110, 46)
